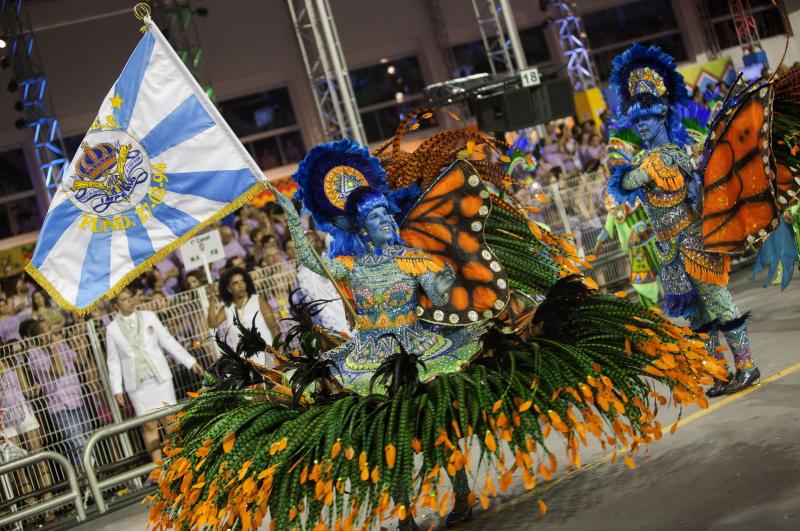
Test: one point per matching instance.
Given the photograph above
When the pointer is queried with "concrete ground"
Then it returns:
(734, 466)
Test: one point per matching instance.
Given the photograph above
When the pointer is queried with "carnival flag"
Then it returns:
(157, 165)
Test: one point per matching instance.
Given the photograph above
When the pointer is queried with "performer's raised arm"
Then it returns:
(305, 253)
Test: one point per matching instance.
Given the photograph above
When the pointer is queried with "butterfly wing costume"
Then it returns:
(751, 173)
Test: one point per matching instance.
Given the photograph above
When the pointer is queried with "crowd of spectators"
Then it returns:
(569, 148)
(51, 394)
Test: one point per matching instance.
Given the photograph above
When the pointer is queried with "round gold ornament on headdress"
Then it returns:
(340, 181)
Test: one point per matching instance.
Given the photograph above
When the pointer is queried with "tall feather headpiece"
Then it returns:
(327, 176)
(647, 83)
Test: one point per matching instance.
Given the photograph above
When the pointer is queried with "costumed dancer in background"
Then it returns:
(649, 88)
(636, 238)
(630, 222)
(135, 359)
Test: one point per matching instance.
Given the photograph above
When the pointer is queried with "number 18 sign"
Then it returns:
(530, 77)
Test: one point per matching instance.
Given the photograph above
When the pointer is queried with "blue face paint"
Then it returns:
(379, 226)
(653, 130)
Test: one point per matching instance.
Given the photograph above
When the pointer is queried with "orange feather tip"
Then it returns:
(590, 283)
(227, 444)
(542, 508)
(490, 442)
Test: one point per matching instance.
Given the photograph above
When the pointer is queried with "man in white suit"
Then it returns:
(135, 340)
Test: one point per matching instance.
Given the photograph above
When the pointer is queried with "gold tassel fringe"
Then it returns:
(417, 263)
(711, 271)
(666, 177)
(147, 264)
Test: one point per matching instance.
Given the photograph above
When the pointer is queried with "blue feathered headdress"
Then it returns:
(328, 174)
(333, 180)
(647, 83)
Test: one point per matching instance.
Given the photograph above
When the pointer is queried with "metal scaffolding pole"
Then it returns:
(176, 19)
(711, 40)
(499, 35)
(572, 41)
(340, 69)
(326, 69)
(31, 85)
(513, 35)
(745, 25)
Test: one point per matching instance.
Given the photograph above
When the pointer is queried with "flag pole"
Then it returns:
(323, 267)
(142, 12)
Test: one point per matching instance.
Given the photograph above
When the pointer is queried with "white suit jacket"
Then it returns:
(120, 357)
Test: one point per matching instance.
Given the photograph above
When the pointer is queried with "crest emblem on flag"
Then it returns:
(157, 165)
(112, 172)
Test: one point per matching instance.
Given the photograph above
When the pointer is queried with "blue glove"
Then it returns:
(780, 246)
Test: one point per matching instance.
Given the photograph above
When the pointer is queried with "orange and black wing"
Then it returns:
(448, 222)
(738, 199)
(787, 185)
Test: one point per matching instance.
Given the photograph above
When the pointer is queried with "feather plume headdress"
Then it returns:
(335, 181)
(647, 83)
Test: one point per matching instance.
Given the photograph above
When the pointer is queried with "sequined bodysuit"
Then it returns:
(660, 175)
(385, 289)
(695, 281)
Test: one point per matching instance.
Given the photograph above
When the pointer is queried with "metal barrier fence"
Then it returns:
(60, 381)
(577, 206)
(96, 485)
(54, 392)
(19, 467)
(276, 283)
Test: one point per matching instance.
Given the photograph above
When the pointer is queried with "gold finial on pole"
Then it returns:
(142, 12)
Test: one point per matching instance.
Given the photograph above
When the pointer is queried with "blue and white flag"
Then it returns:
(157, 165)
